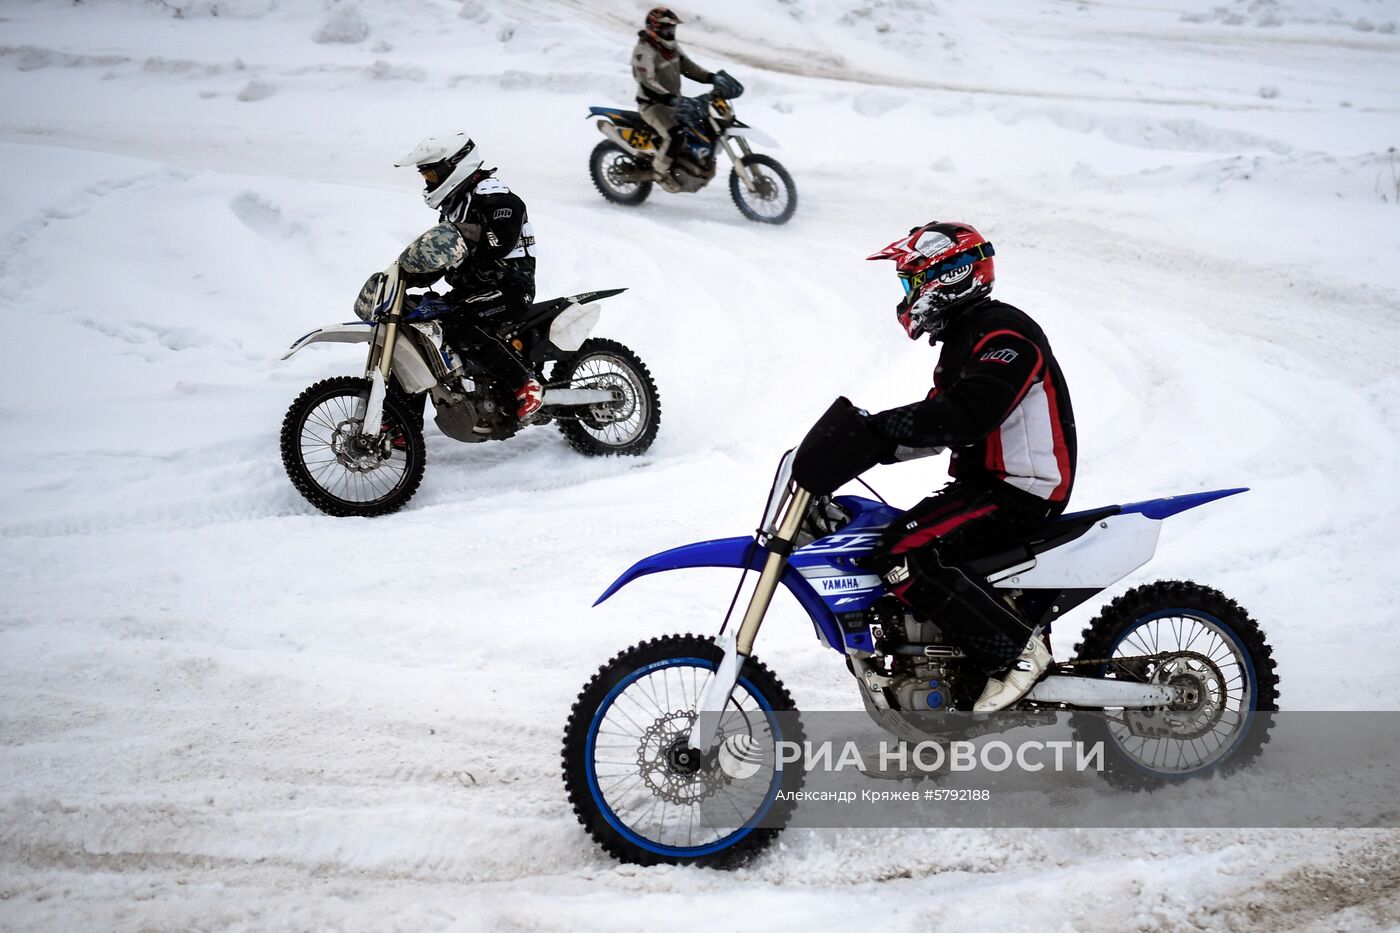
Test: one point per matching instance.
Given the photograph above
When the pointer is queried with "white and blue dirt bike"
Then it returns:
(600, 394)
(1175, 670)
(621, 165)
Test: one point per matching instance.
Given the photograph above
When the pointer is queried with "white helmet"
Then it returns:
(446, 162)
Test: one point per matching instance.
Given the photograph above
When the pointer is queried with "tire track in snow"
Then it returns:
(19, 239)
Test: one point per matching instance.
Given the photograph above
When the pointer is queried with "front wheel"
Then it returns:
(774, 198)
(1204, 646)
(617, 174)
(638, 787)
(623, 428)
(335, 466)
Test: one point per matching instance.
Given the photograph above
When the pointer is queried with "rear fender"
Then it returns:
(616, 114)
(571, 325)
(736, 552)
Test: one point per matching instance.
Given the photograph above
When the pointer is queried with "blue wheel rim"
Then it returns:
(1246, 666)
(626, 831)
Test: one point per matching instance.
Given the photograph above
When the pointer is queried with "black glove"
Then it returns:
(725, 85)
(838, 448)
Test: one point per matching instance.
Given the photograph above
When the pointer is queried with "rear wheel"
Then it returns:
(337, 468)
(774, 198)
(623, 428)
(615, 172)
(640, 790)
(1203, 644)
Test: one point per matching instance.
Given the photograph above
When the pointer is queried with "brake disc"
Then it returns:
(659, 771)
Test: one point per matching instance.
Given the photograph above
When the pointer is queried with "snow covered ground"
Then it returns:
(221, 709)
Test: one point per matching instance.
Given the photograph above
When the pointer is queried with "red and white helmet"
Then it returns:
(945, 267)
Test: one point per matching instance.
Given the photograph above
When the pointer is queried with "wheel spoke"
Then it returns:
(334, 460)
(1194, 652)
(644, 790)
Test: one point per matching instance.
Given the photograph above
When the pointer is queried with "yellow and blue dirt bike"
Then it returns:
(622, 168)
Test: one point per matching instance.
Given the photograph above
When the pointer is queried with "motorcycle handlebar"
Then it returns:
(837, 449)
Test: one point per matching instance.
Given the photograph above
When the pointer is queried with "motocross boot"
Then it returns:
(529, 398)
(1028, 667)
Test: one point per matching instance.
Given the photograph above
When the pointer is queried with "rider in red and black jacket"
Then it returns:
(1000, 403)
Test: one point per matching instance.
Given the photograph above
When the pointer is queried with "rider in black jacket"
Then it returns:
(497, 275)
(1000, 402)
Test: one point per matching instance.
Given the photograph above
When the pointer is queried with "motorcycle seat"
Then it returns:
(690, 116)
(541, 311)
(1052, 534)
(630, 117)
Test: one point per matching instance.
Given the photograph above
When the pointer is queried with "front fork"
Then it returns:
(388, 308)
(737, 648)
(740, 166)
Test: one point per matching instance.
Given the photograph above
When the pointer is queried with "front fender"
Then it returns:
(753, 134)
(736, 552)
(353, 332)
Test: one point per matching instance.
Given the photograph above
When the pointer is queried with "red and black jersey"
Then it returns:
(999, 402)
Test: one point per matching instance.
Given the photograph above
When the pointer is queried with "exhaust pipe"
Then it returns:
(610, 130)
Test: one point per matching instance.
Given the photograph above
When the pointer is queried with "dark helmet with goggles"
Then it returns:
(661, 26)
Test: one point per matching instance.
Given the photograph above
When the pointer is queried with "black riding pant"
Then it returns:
(471, 329)
(920, 558)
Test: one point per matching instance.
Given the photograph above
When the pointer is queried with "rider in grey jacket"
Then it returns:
(658, 65)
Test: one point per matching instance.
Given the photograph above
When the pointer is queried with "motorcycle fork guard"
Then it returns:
(737, 648)
(741, 167)
(381, 352)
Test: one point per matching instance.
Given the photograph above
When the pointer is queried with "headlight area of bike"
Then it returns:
(366, 301)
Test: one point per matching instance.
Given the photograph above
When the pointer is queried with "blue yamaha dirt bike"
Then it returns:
(1182, 666)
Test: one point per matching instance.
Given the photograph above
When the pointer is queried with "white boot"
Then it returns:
(1025, 671)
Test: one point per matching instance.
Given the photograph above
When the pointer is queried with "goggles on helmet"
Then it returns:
(435, 173)
(915, 280)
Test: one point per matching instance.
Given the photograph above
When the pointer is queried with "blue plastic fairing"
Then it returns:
(1171, 505)
(735, 552)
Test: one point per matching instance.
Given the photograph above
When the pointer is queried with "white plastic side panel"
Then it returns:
(413, 371)
(1103, 555)
(610, 130)
(573, 325)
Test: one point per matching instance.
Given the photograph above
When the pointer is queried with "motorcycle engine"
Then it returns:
(927, 673)
(456, 416)
(691, 176)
